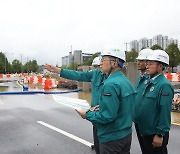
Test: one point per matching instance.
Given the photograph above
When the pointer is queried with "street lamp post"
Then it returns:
(21, 62)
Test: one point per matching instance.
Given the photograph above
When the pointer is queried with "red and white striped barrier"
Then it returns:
(46, 82)
(7, 76)
(173, 77)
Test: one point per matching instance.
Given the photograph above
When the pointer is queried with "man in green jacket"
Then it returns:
(95, 76)
(141, 83)
(115, 114)
(154, 116)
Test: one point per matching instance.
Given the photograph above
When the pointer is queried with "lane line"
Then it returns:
(173, 123)
(1, 102)
(19, 84)
(66, 133)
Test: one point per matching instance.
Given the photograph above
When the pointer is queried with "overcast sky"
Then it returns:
(46, 29)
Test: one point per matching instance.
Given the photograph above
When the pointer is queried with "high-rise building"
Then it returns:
(78, 57)
(164, 42)
(85, 57)
(149, 43)
(143, 43)
(175, 41)
(70, 58)
(134, 45)
(160, 40)
(157, 40)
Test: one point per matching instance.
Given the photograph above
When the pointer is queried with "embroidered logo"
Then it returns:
(152, 89)
(145, 82)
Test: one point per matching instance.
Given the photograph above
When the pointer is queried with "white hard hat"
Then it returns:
(159, 55)
(115, 52)
(96, 61)
(143, 54)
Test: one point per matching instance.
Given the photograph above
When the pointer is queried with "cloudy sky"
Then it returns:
(45, 29)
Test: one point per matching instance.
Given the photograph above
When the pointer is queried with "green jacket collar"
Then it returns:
(117, 73)
(156, 80)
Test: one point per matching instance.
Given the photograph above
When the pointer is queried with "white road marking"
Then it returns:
(66, 133)
(1, 102)
(19, 84)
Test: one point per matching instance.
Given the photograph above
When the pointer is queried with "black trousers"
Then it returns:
(96, 141)
(140, 139)
(148, 139)
(120, 146)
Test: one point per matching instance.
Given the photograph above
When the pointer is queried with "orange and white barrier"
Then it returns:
(173, 77)
(46, 82)
(7, 76)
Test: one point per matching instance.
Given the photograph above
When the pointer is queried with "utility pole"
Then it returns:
(126, 45)
(21, 62)
(27, 65)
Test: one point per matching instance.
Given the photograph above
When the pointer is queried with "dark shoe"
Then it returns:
(92, 147)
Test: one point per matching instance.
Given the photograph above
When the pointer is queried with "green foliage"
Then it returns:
(174, 54)
(9, 68)
(63, 67)
(143, 48)
(156, 46)
(30, 66)
(16, 66)
(3, 63)
(73, 66)
(131, 56)
(2, 59)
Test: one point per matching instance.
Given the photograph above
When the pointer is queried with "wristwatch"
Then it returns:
(160, 135)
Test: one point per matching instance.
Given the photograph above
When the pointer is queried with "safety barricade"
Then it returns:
(173, 77)
(48, 84)
(168, 76)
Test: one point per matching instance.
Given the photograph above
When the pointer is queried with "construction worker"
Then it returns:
(96, 62)
(113, 117)
(141, 83)
(154, 116)
(95, 76)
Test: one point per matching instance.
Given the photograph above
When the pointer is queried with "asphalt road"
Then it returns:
(31, 124)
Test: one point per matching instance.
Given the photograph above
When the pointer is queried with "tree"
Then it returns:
(73, 66)
(34, 66)
(3, 63)
(174, 55)
(131, 56)
(31, 66)
(16, 66)
(156, 46)
(8, 68)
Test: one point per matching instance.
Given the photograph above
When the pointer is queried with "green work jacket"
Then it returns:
(95, 76)
(115, 114)
(141, 83)
(154, 115)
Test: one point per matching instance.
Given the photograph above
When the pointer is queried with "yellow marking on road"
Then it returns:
(173, 123)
